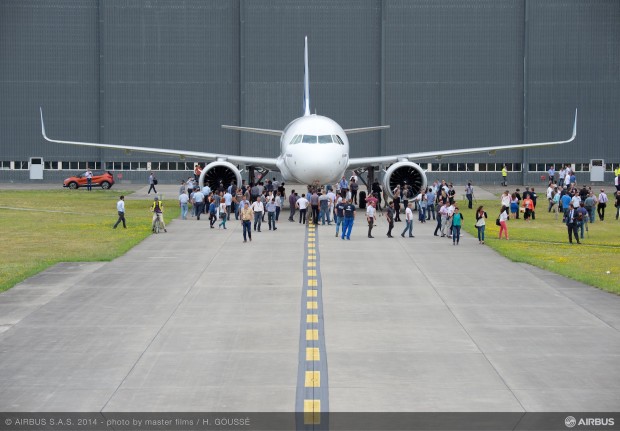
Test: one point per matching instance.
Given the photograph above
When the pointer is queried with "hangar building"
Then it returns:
(442, 73)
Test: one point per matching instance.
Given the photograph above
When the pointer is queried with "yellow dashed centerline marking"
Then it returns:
(313, 354)
(312, 334)
(313, 379)
(312, 412)
(310, 390)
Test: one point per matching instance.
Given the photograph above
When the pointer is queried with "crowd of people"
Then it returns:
(578, 206)
(335, 205)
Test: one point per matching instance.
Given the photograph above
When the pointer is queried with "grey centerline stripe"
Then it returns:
(320, 393)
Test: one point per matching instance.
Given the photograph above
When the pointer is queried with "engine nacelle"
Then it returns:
(219, 172)
(408, 173)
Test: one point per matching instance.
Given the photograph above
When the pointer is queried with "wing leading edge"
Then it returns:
(201, 156)
(360, 162)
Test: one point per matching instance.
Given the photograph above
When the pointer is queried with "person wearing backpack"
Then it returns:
(152, 183)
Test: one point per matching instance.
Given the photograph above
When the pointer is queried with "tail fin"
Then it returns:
(306, 106)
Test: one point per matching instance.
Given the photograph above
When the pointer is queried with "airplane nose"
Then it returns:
(320, 165)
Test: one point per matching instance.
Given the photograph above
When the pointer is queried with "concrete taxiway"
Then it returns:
(197, 320)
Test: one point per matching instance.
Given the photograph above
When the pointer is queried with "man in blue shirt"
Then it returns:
(565, 200)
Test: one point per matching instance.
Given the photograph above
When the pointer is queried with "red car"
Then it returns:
(105, 179)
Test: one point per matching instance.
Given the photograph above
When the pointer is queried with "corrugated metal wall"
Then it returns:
(442, 73)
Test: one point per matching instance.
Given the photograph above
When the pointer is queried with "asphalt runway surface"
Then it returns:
(197, 320)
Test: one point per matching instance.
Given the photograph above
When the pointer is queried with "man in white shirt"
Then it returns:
(562, 176)
(550, 195)
(332, 204)
(602, 204)
(198, 201)
(183, 201)
(302, 203)
(571, 224)
(409, 220)
(258, 209)
(228, 201)
(120, 207)
(89, 179)
(370, 218)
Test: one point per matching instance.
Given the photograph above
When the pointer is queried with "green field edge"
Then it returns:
(143, 231)
(607, 284)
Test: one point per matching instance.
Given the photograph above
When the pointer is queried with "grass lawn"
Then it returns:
(48, 227)
(544, 243)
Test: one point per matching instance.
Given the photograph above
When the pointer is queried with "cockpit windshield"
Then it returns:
(313, 139)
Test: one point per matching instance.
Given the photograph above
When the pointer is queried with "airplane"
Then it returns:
(314, 150)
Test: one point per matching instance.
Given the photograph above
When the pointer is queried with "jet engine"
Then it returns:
(408, 173)
(219, 172)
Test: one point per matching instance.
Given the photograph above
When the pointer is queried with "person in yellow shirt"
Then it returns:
(504, 176)
(247, 215)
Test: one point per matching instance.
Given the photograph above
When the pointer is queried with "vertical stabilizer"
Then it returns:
(306, 82)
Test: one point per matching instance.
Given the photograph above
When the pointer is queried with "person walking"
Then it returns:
(439, 218)
(246, 221)
(389, 216)
(481, 217)
(370, 218)
(503, 222)
(303, 203)
(152, 183)
(183, 203)
(292, 201)
(270, 206)
(571, 224)
(223, 215)
(408, 221)
(430, 203)
(314, 202)
(120, 208)
(339, 217)
(258, 208)
(457, 222)
(602, 204)
(504, 176)
(354, 187)
(198, 201)
(469, 194)
(349, 218)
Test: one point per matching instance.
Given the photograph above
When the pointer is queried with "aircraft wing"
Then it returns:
(361, 162)
(264, 162)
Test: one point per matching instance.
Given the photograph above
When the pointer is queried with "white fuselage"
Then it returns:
(314, 150)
